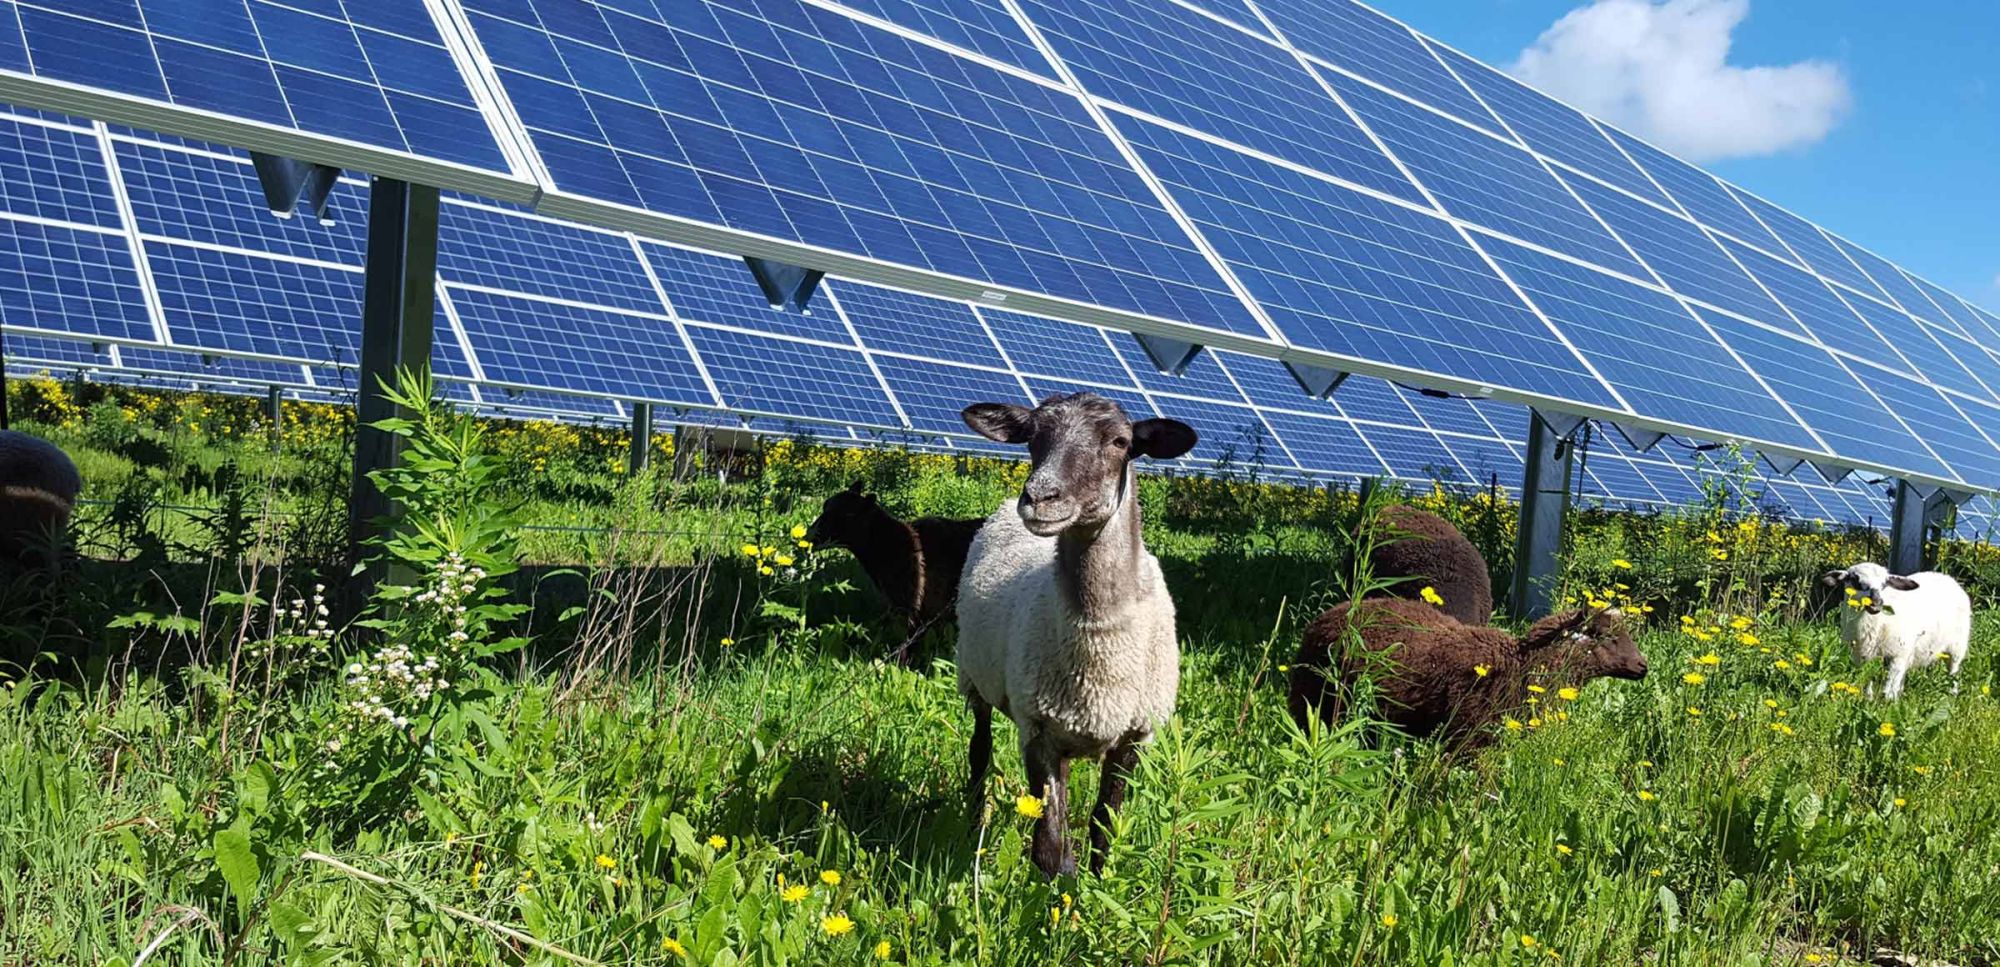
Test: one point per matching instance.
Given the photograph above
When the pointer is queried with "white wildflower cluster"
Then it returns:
(455, 582)
(309, 619)
(393, 674)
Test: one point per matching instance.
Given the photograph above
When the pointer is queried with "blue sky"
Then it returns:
(1909, 168)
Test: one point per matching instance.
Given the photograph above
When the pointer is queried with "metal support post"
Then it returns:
(1916, 523)
(642, 437)
(1544, 501)
(396, 310)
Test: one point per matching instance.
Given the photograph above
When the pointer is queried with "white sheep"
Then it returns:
(1908, 622)
(1065, 624)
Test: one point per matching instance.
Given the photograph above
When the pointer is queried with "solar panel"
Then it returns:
(1357, 39)
(368, 85)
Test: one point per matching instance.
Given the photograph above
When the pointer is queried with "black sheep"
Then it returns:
(1419, 549)
(914, 564)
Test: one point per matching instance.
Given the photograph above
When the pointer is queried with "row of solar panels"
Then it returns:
(1294, 177)
(544, 319)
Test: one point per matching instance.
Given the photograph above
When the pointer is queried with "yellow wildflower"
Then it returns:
(1694, 678)
(830, 877)
(1646, 795)
(1431, 595)
(1747, 639)
(766, 570)
(837, 925)
(783, 560)
(1028, 806)
(1622, 564)
(1887, 731)
(1537, 689)
(1512, 724)
(750, 550)
(1481, 670)
(718, 841)
(673, 946)
(794, 893)
(1567, 694)
(882, 950)
(728, 642)
(1711, 660)
(1739, 623)
(798, 532)
(1528, 941)
(1389, 920)
(1562, 849)
(1899, 802)
(606, 861)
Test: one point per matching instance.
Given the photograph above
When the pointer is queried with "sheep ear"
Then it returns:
(1900, 583)
(854, 488)
(1162, 439)
(999, 422)
(1832, 579)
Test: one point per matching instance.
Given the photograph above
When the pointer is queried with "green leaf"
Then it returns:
(1670, 909)
(238, 863)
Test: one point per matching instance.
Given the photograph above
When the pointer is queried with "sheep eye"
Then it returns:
(1121, 443)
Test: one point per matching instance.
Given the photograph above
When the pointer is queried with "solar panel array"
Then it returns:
(1303, 179)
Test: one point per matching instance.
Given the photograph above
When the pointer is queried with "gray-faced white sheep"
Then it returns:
(1908, 622)
(1421, 550)
(915, 564)
(1435, 675)
(1065, 624)
(38, 488)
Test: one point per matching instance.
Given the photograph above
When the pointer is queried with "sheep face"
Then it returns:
(1588, 645)
(842, 519)
(1865, 582)
(1079, 447)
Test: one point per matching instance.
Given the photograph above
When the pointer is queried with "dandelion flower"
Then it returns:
(673, 946)
(1534, 723)
(1028, 806)
(1694, 678)
(830, 877)
(1481, 670)
(1512, 724)
(766, 551)
(1389, 921)
(882, 950)
(1899, 802)
(1887, 730)
(1622, 564)
(1567, 694)
(728, 642)
(794, 893)
(837, 925)
(1528, 941)
(1563, 849)
(1770, 703)
(1537, 689)
(606, 862)
(798, 532)
(1711, 660)
(718, 841)
(1921, 770)
(1282, 669)
(766, 570)
(1431, 595)
(1646, 795)
(750, 550)
(1654, 873)
(1739, 623)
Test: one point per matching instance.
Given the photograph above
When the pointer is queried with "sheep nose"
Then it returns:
(1040, 491)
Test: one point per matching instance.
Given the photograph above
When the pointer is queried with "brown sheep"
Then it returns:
(1427, 551)
(914, 564)
(1425, 665)
(38, 488)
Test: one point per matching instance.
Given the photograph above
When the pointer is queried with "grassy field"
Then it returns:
(663, 754)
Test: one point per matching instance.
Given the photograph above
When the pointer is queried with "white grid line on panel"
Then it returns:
(1005, 358)
(660, 292)
(482, 83)
(443, 297)
(122, 201)
(867, 357)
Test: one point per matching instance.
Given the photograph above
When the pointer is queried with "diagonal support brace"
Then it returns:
(1169, 356)
(288, 180)
(785, 286)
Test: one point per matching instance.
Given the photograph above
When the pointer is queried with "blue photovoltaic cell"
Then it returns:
(1367, 398)
(1485, 459)
(373, 73)
(1557, 130)
(983, 26)
(477, 246)
(1134, 405)
(1646, 344)
(1923, 350)
(1413, 454)
(1956, 312)
(531, 342)
(53, 173)
(563, 403)
(712, 288)
(257, 305)
(1357, 39)
(762, 374)
(1451, 413)
(1048, 347)
(41, 349)
(1347, 273)
(794, 122)
(932, 394)
(1266, 384)
(1486, 181)
(1203, 377)
(199, 198)
(212, 367)
(1816, 307)
(1892, 281)
(1685, 257)
(902, 322)
(1616, 478)
(67, 280)
(1699, 193)
(1825, 396)
(1324, 444)
(1987, 333)
(1808, 243)
(1155, 57)
(1235, 11)
(1671, 482)
(1227, 436)
(1940, 425)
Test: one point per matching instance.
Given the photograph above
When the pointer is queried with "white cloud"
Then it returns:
(1661, 70)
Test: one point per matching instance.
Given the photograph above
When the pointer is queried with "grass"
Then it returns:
(629, 789)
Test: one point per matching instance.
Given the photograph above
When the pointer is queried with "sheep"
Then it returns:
(1424, 550)
(914, 564)
(1065, 624)
(1428, 665)
(38, 488)
(1909, 622)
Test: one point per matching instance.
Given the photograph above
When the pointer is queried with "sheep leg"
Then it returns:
(981, 758)
(1893, 688)
(1048, 781)
(1957, 659)
(1118, 765)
